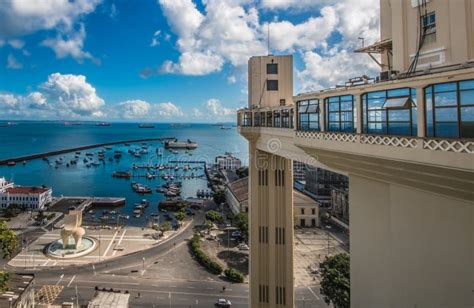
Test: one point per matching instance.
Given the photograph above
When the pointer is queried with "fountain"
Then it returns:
(73, 242)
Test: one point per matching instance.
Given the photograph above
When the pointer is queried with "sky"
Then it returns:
(168, 60)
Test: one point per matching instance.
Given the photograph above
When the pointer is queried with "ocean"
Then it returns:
(26, 138)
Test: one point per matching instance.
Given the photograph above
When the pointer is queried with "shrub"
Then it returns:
(213, 216)
(234, 275)
(202, 258)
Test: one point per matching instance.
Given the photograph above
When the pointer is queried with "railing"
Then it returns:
(408, 142)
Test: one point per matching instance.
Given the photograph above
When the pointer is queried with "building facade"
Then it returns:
(228, 162)
(405, 141)
(237, 195)
(306, 211)
(30, 197)
(20, 292)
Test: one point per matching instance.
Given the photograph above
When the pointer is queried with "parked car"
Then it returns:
(236, 234)
(222, 302)
(243, 246)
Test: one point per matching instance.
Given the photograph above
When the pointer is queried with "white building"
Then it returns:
(228, 162)
(306, 210)
(31, 197)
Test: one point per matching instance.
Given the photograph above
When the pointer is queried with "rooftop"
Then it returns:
(27, 190)
(240, 188)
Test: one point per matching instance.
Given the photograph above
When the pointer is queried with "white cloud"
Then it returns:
(293, 4)
(20, 17)
(231, 79)
(72, 95)
(8, 101)
(226, 33)
(13, 63)
(16, 43)
(134, 109)
(168, 109)
(36, 100)
(70, 44)
(304, 36)
(215, 108)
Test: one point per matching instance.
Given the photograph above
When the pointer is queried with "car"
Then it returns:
(222, 302)
(236, 234)
(243, 246)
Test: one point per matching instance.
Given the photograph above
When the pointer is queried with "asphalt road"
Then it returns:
(150, 290)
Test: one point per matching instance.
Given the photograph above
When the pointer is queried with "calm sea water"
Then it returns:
(78, 180)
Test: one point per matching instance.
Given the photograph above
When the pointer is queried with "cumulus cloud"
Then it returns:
(142, 110)
(230, 31)
(19, 17)
(13, 63)
(72, 95)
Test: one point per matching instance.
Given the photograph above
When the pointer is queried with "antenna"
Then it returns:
(268, 38)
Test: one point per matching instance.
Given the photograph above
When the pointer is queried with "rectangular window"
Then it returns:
(449, 109)
(272, 68)
(308, 115)
(272, 85)
(341, 113)
(428, 23)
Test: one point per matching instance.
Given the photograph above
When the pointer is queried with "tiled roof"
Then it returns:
(240, 189)
(26, 190)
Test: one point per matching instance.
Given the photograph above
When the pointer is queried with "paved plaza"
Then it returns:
(112, 243)
(311, 248)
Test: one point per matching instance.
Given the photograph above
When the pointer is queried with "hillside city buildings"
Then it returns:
(403, 139)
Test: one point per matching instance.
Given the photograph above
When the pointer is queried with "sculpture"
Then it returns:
(72, 226)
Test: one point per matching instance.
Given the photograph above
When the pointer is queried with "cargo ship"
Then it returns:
(146, 126)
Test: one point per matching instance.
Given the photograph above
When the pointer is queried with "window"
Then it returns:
(428, 23)
(302, 211)
(256, 119)
(309, 115)
(390, 112)
(285, 118)
(272, 85)
(450, 110)
(269, 119)
(341, 114)
(276, 119)
(262, 118)
(247, 119)
(272, 68)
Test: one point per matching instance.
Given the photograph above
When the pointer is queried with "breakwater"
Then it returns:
(80, 148)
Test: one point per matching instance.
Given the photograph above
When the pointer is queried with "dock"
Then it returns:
(80, 148)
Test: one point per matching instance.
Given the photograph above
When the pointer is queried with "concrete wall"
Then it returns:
(453, 42)
(409, 248)
(257, 87)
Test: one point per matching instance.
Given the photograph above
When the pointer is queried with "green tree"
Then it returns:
(8, 241)
(241, 220)
(180, 215)
(3, 280)
(335, 282)
(166, 226)
(242, 172)
(219, 197)
(213, 216)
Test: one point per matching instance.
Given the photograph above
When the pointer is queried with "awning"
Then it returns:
(398, 103)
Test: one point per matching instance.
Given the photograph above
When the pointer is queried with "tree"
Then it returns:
(241, 220)
(335, 282)
(180, 215)
(213, 216)
(219, 197)
(8, 241)
(166, 226)
(3, 280)
(242, 172)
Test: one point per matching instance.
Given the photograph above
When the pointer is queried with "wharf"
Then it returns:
(81, 148)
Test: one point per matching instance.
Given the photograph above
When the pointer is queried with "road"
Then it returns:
(142, 274)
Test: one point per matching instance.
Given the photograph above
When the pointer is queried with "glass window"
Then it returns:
(308, 115)
(450, 109)
(272, 68)
(391, 112)
(340, 113)
(276, 119)
(272, 85)
(269, 119)
(256, 119)
(285, 118)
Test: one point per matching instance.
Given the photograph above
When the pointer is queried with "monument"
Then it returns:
(72, 226)
(73, 242)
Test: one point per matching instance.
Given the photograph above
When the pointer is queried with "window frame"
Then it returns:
(339, 111)
(307, 122)
(274, 83)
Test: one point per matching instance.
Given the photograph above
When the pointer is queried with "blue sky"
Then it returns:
(167, 60)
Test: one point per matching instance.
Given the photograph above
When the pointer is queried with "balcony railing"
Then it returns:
(246, 119)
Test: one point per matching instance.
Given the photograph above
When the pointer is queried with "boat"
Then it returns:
(108, 148)
(111, 159)
(225, 127)
(146, 126)
(11, 163)
(92, 212)
(95, 163)
(145, 202)
(113, 212)
(175, 144)
(124, 216)
(141, 189)
(122, 174)
(103, 124)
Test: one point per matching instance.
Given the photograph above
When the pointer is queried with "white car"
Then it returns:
(222, 302)
(243, 246)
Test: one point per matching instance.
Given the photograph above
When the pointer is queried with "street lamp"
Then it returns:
(143, 264)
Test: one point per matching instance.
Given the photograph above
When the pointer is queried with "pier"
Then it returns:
(80, 148)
